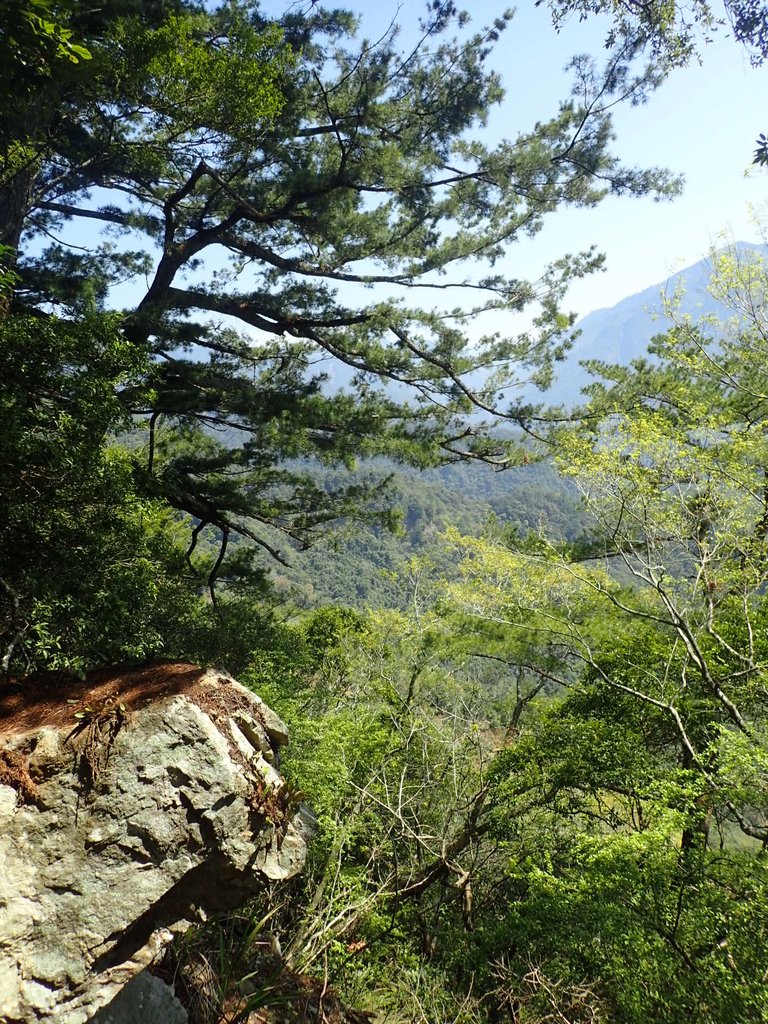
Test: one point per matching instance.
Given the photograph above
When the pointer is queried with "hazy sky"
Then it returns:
(702, 123)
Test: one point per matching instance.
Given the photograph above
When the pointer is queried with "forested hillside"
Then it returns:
(357, 565)
(523, 652)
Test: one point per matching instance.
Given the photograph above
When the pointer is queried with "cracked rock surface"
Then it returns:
(129, 803)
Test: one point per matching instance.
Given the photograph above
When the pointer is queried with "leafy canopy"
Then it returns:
(634, 797)
(268, 201)
(255, 174)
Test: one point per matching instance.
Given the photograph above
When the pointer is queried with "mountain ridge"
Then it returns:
(622, 332)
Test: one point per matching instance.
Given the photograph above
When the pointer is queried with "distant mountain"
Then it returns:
(621, 333)
(615, 335)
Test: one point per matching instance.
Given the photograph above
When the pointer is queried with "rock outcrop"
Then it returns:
(131, 803)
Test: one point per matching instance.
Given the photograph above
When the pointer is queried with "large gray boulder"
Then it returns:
(131, 803)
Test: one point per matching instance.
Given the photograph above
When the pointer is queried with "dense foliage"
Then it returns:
(527, 706)
(357, 566)
(241, 186)
(542, 786)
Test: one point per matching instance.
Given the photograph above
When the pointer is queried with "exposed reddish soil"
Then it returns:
(14, 772)
(53, 698)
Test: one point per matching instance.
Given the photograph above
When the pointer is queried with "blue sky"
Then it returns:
(701, 123)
